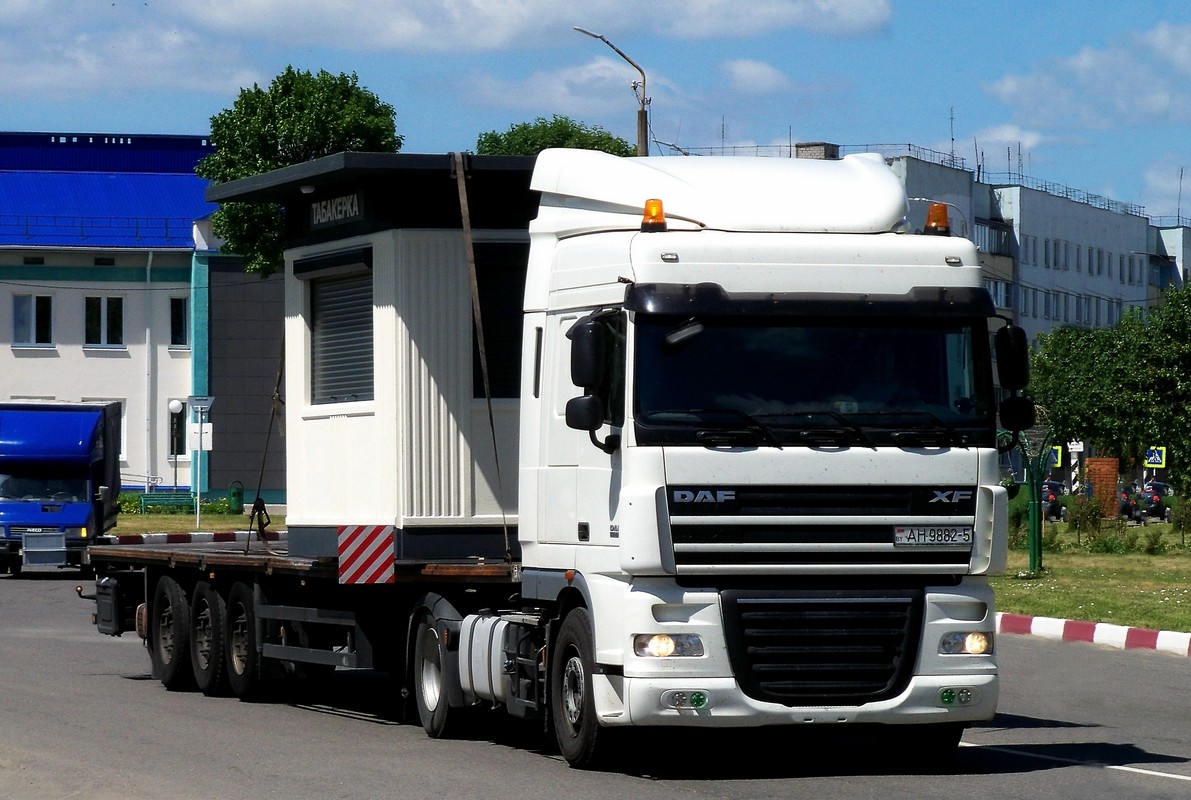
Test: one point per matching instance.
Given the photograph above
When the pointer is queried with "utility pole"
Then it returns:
(642, 114)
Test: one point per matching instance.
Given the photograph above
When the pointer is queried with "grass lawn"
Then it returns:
(173, 523)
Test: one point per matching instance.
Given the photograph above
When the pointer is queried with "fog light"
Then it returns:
(686, 699)
(967, 643)
(958, 696)
(665, 645)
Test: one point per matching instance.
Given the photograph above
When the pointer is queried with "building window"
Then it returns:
(103, 321)
(179, 323)
(32, 319)
(341, 339)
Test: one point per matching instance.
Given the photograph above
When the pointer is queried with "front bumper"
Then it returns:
(639, 701)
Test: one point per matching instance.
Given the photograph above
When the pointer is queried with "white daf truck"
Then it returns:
(748, 476)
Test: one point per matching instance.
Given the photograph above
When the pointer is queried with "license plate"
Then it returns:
(931, 536)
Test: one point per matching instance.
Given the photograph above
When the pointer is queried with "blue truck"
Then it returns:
(59, 482)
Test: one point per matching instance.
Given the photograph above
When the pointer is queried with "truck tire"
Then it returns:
(430, 691)
(169, 636)
(207, 642)
(244, 674)
(572, 700)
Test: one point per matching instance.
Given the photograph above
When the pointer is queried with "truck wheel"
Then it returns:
(169, 635)
(430, 691)
(207, 623)
(243, 663)
(572, 701)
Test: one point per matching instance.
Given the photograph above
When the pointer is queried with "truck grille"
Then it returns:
(815, 530)
(822, 648)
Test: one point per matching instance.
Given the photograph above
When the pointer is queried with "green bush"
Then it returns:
(129, 502)
(219, 505)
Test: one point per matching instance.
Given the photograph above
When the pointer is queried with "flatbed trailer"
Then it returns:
(231, 616)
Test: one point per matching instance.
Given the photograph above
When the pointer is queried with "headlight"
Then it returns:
(666, 645)
(966, 643)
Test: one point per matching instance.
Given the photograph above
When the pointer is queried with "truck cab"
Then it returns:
(759, 447)
(59, 480)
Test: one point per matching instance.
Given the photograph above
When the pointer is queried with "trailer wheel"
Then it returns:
(243, 662)
(572, 702)
(169, 635)
(430, 691)
(207, 643)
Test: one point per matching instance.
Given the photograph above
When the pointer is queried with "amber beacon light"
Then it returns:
(937, 222)
(655, 216)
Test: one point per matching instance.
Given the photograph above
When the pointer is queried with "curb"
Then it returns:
(1119, 636)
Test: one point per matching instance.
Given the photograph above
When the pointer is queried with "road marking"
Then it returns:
(1118, 767)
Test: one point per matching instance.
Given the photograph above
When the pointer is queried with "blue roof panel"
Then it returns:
(100, 209)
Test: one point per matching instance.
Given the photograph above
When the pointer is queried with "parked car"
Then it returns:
(1153, 502)
(1052, 507)
(1127, 502)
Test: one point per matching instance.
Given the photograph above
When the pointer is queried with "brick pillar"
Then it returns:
(1102, 474)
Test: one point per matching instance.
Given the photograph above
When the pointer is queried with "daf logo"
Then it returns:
(704, 496)
(951, 495)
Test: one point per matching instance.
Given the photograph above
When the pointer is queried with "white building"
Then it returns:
(96, 254)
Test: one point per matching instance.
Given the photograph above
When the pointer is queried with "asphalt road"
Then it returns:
(80, 717)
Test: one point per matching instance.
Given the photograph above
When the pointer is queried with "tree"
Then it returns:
(1124, 388)
(531, 138)
(300, 117)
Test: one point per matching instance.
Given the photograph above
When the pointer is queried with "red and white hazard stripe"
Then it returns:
(366, 554)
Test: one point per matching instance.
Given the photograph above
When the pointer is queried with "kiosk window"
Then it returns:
(341, 339)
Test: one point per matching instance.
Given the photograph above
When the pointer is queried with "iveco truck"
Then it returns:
(59, 481)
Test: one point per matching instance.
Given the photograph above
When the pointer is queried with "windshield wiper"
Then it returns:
(727, 437)
(940, 435)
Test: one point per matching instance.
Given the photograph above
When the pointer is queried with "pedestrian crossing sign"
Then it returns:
(1056, 456)
(1156, 458)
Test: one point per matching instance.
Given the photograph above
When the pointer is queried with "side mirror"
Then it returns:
(1013, 358)
(585, 413)
(1017, 413)
(587, 353)
(104, 495)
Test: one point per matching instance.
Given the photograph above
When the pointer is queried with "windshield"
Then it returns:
(761, 380)
(36, 485)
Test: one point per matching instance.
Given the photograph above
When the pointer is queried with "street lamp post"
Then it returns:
(175, 407)
(642, 115)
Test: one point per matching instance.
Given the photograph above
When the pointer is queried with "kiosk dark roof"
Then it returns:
(398, 190)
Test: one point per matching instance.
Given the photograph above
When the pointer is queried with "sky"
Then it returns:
(1089, 94)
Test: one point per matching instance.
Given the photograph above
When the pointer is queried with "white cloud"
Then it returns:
(1167, 188)
(1136, 79)
(754, 77)
(120, 63)
(718, 18)
(446, 25)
